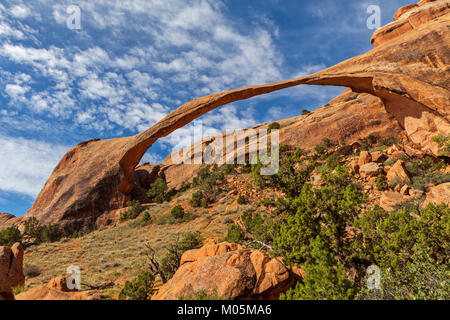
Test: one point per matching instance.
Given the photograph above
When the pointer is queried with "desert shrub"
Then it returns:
(389, 141)
(305, 112)
(33, 229)
(235, 234)
(176, 216)
(444, 144)
(273, 126)
(135, 209)
(170, 263)
(326, 278)
(158, 191)
(184, 187)
(140, 288)
(382, 182)
(146, 218)
(353, 97)
(421, 279)
(313, 234)
(421, 182)
(323, 148)
(210, 180)
(426, 171)
(177, 212)
(334, 160)
(261, 228)
(9, 236)
(31, 271)
(293, 173)
(52, 233)
(196, 200)
(80, 233)
(389, 240)
(241, 200)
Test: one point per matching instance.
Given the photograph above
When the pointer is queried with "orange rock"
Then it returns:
(438, 194)
(371, 169)
(364, 158)
(379, 156)
(389, 200)
(398, 172)
(57, 289)
(404, 10)
(11, 273)
(241, 273)
(60, 284)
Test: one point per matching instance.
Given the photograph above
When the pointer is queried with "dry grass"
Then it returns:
(117, 253)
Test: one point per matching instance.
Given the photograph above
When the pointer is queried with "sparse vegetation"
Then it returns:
(443, 143)
(305, 112)
(273, 126)
(9, 236)
(387, 142)
(241, 200)
(140, 288)
(382, 182)
(159, 193)
(135, 209)
(170, 263)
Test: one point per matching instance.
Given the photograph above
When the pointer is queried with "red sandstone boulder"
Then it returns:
(57, 289)
(398, 172)
(438, 194)
(11, 273)
(230, 270)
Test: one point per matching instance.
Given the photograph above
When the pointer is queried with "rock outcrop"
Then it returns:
(57, 289)
(11, 273)
(398, 173)
(438, 194)
(410, 17)
(229, 270)
(408, 70)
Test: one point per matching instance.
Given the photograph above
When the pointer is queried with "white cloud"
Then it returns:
(20, 11)
(7, 31)
(15, 91)
(25, 164)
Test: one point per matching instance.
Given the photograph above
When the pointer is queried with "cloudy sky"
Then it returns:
(133, 61)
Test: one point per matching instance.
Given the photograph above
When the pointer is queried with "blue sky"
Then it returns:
(134, 61)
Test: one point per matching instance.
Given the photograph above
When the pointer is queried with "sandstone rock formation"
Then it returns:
(408, 70)
(57, 289)
(438, 194)
(398, 173)
(389, 200)
(370, 169)
(231, 271)
(11, 273)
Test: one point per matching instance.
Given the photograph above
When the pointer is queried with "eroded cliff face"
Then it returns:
(408, 72)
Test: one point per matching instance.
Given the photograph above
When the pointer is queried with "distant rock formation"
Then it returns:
(408, 70)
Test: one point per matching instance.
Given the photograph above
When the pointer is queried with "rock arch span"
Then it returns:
(98, 176)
